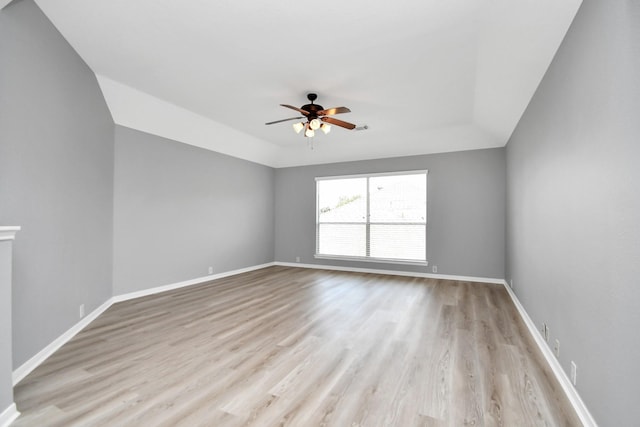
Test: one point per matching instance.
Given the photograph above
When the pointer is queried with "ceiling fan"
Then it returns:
(316, 116)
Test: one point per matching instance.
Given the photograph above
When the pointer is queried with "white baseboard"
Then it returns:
(196, 281)
(9, 415)
(31, 364)
(568, 388)
(393, 272)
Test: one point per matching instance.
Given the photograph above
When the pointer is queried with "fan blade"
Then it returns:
(332, 111)
(306, 113)
(285, 120)
(338, 122)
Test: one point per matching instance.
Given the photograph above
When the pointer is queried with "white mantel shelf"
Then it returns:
(8, 232)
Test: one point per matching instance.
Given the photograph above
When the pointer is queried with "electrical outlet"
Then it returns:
(434, 268)
(556, 348)
(210, 270)
(545, 332)
(81, 311)
(297, 259)
(574, 373)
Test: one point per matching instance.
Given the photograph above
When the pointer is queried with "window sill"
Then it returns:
(370, 259)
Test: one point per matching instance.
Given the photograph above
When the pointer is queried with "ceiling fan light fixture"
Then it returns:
(315, 117)
(314, 124)
(297, 127)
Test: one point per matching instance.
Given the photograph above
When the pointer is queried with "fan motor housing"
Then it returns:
(312, 108)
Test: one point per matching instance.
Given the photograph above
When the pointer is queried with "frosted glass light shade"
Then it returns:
(298, 127)
(314, 124)
(309, 133)
(325, 128)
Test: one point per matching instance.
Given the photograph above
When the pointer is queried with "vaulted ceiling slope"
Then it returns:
(426, 76)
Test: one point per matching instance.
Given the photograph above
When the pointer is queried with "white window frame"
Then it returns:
(368, 223)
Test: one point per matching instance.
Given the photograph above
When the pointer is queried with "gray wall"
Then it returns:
(179, 209)
(574, 206)
(465, 211)
(56, 178)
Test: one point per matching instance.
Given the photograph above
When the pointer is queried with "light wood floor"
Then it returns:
(297, 347)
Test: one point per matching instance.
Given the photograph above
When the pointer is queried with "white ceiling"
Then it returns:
(426, 76)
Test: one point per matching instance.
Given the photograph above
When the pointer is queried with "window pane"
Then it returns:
(342, 200)
(402, 241)
(398, 198)
(342, 239)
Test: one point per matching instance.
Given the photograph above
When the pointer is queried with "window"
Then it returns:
(379, 217)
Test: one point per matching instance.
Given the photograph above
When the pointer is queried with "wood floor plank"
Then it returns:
(288, 346)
